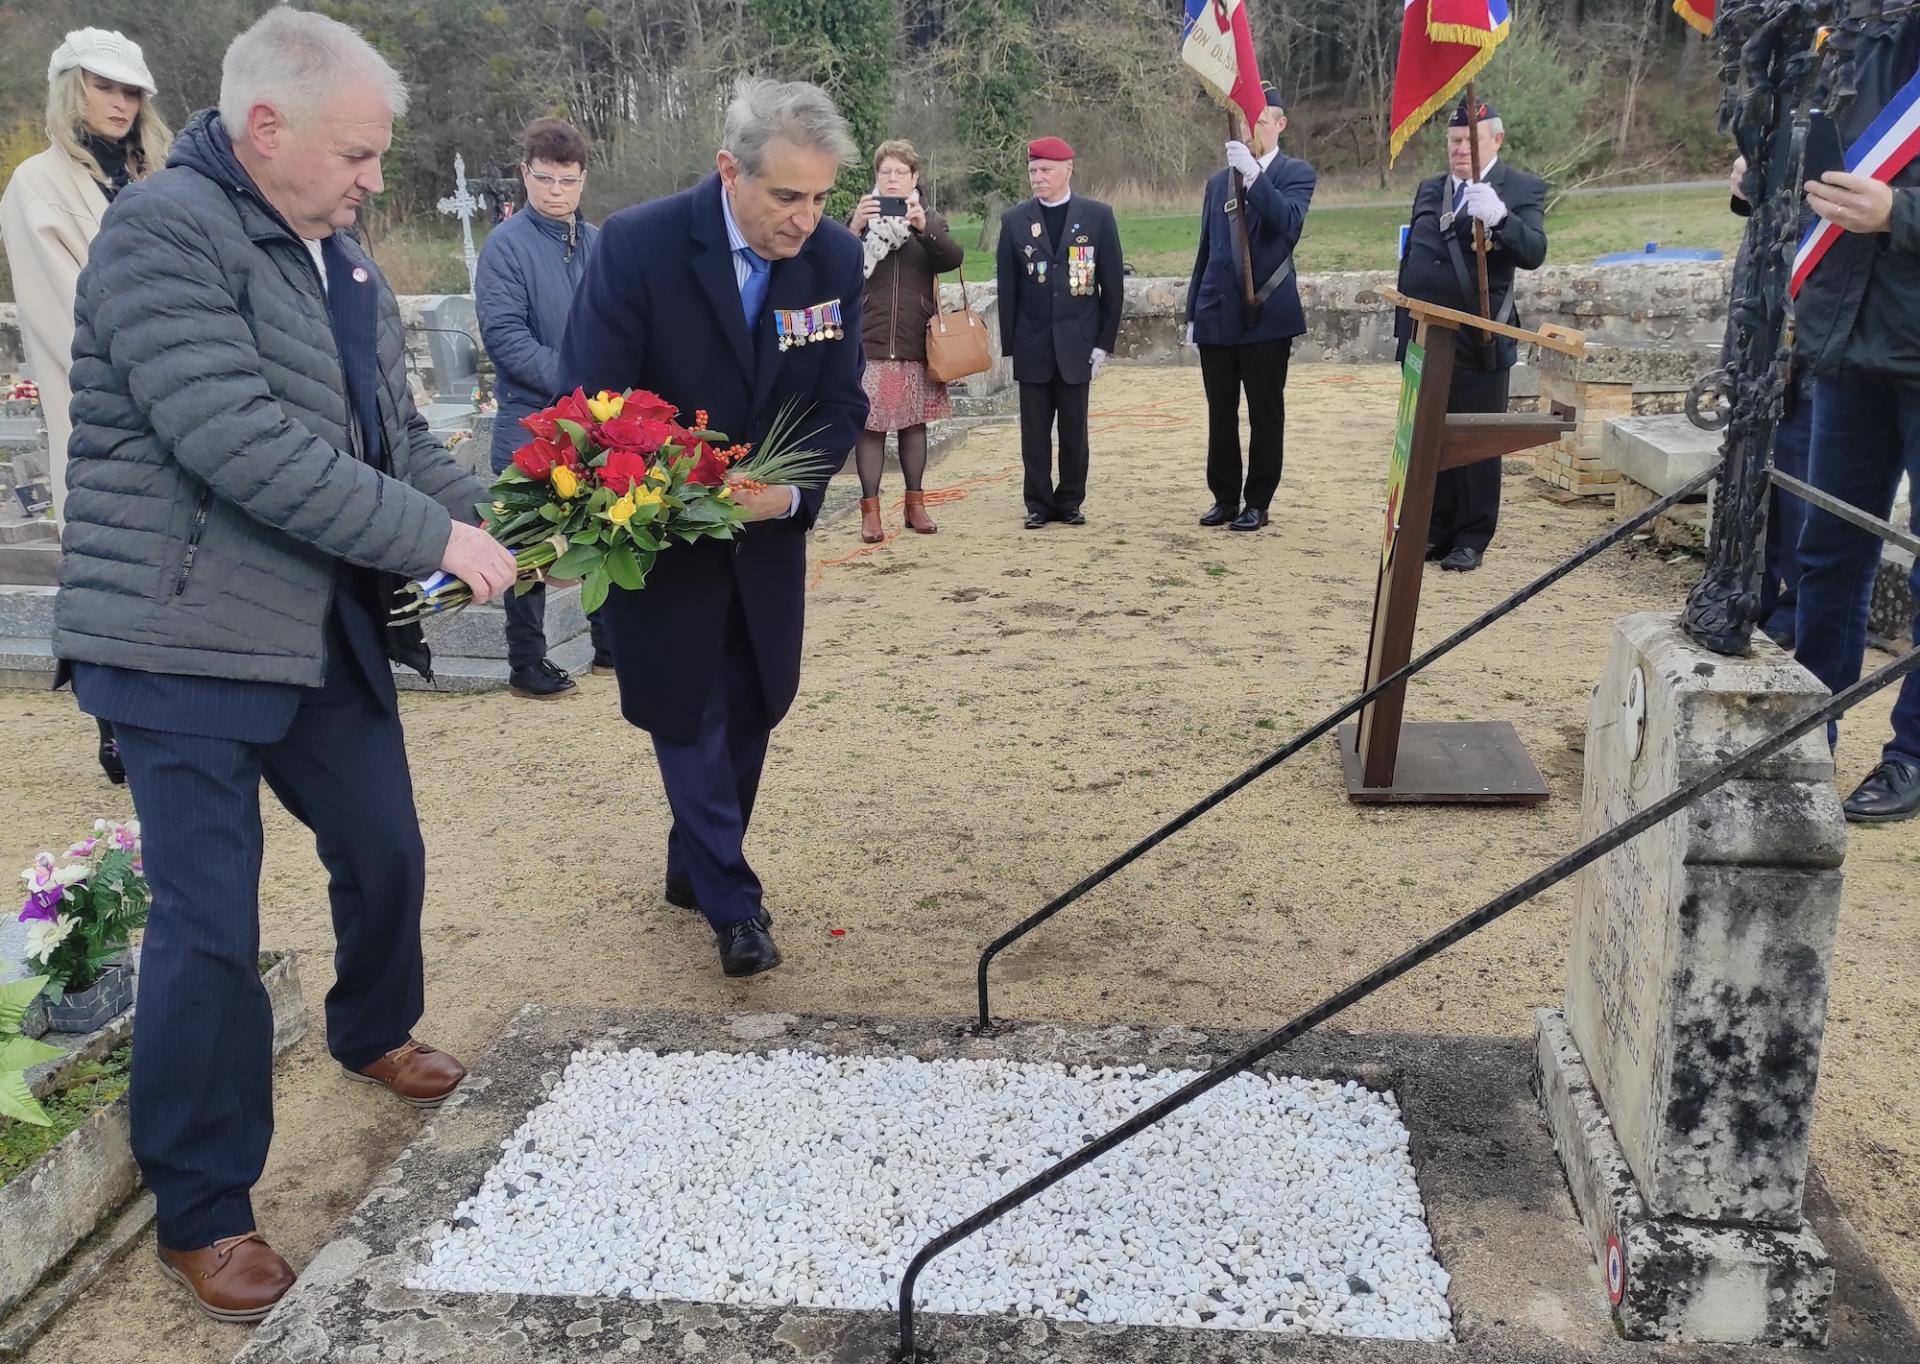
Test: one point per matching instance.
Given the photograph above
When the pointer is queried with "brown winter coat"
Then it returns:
(899, 297)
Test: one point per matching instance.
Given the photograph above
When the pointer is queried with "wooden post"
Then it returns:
(1479, 228)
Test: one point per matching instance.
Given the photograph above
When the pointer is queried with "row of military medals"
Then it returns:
(798, 326)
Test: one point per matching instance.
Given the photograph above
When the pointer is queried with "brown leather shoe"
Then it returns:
(238, 1278)
(917, 518)
(416, 1073)
(870, 528)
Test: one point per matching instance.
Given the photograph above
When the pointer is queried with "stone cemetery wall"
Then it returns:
(1669, 305)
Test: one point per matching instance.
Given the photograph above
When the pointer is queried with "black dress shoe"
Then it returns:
(1251, 519)
(1217, 515)
(1890, 794)
(1460, 559)
(110, 754)
(747, 947)
(1037, 520)
(1073, 518)
(543, 682)
(679, 893)
(1435, 553)
(602, 664)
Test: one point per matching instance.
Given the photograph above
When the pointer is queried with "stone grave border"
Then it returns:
(68, 1218)
(1523, 1281)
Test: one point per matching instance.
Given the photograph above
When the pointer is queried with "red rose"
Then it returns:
(648, 407)
(542, 425)
(621, 470)
(536, 460)
(564, 454)
(573, 408)
(645, 434)
(708, 467)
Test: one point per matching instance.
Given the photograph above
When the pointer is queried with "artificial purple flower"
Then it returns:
(40, 904)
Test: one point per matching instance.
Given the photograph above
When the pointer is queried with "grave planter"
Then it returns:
(89, 1010)
(89, 1184)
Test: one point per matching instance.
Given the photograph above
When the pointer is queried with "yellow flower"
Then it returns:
(724, 492)
(565, 481)
(660, 474)
(605, 406)
(621, 512)
(643, 496)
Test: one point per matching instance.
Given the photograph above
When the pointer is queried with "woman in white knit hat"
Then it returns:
(105, 133)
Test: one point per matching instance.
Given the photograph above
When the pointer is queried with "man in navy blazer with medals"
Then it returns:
(1438, 267)
(734, 297)
(1241, 347)
(1062, 287)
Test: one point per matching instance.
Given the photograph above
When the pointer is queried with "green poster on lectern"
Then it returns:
(1402, 450)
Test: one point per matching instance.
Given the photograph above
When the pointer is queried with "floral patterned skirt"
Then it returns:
(903, 394)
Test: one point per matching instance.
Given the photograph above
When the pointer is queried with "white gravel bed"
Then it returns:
(793, 1179)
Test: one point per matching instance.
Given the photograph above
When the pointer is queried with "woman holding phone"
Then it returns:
(907, 247)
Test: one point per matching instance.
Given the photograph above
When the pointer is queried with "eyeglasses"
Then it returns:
(545, 181)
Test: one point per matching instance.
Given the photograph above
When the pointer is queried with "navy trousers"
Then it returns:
(1786, 519)
(1466, 501)
(711, 785)
(1866, 433)
(202, 1092)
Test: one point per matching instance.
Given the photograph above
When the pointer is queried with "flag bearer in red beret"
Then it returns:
(1062, 288)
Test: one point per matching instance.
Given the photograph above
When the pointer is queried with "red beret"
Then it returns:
(1049, 149)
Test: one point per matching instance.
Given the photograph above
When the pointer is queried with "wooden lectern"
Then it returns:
(1478, 762)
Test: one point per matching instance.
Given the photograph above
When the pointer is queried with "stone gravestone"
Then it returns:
(1679, 1081)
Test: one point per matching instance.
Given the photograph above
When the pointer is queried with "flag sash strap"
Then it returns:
(1887, 147)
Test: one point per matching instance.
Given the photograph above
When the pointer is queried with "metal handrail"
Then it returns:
(1459, 929)
(984, 1024)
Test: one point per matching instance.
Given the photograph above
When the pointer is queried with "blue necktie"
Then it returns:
(753, 293)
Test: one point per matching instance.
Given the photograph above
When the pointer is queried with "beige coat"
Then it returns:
(49, 215)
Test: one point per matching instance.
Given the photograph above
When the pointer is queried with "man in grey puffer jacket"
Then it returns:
(247, 478)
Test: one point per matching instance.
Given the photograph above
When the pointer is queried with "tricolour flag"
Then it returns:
(1885, 149)
(1217, 43)
(1443, 45)
(1697, 13)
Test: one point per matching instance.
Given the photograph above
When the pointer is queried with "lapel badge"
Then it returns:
(1081, 240)
(1036, 229)
(360, 275)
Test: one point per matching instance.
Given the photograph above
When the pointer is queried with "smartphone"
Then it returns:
(893, 206)
(1823, 151)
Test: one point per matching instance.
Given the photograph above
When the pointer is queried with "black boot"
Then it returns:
(110, 755)
(543, 682)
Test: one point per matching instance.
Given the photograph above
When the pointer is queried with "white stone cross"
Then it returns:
(463, 205)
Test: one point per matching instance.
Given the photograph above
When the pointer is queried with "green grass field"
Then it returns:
(1364, 237)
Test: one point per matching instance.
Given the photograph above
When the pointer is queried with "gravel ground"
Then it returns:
(987, 715)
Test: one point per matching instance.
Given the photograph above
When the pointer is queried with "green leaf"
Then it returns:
(18, 1053)
(624, 569)
(578, 561)
(575, 433)
(15, 996)
(17, 1101)
(593, 591)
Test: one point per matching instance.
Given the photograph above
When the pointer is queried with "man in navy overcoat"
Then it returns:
(1237, 350)
(691, 297)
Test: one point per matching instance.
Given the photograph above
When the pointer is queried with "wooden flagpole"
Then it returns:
(1237, 210)
(1479, 228)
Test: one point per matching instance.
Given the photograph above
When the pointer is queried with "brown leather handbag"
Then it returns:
(956, 342)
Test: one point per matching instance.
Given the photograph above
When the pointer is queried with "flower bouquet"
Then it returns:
(606, 484)
(82, 910)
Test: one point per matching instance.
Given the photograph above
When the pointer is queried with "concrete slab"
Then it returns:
(1661, 453)
(1525, 1289)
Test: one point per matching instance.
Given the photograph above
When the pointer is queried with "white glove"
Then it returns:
(1241, 158)
(1483, 203)
(1099, 361)
(1189, 333)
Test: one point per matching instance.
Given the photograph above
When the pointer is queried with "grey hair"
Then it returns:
(1496, 126)
(793, 111)
(292, 60)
